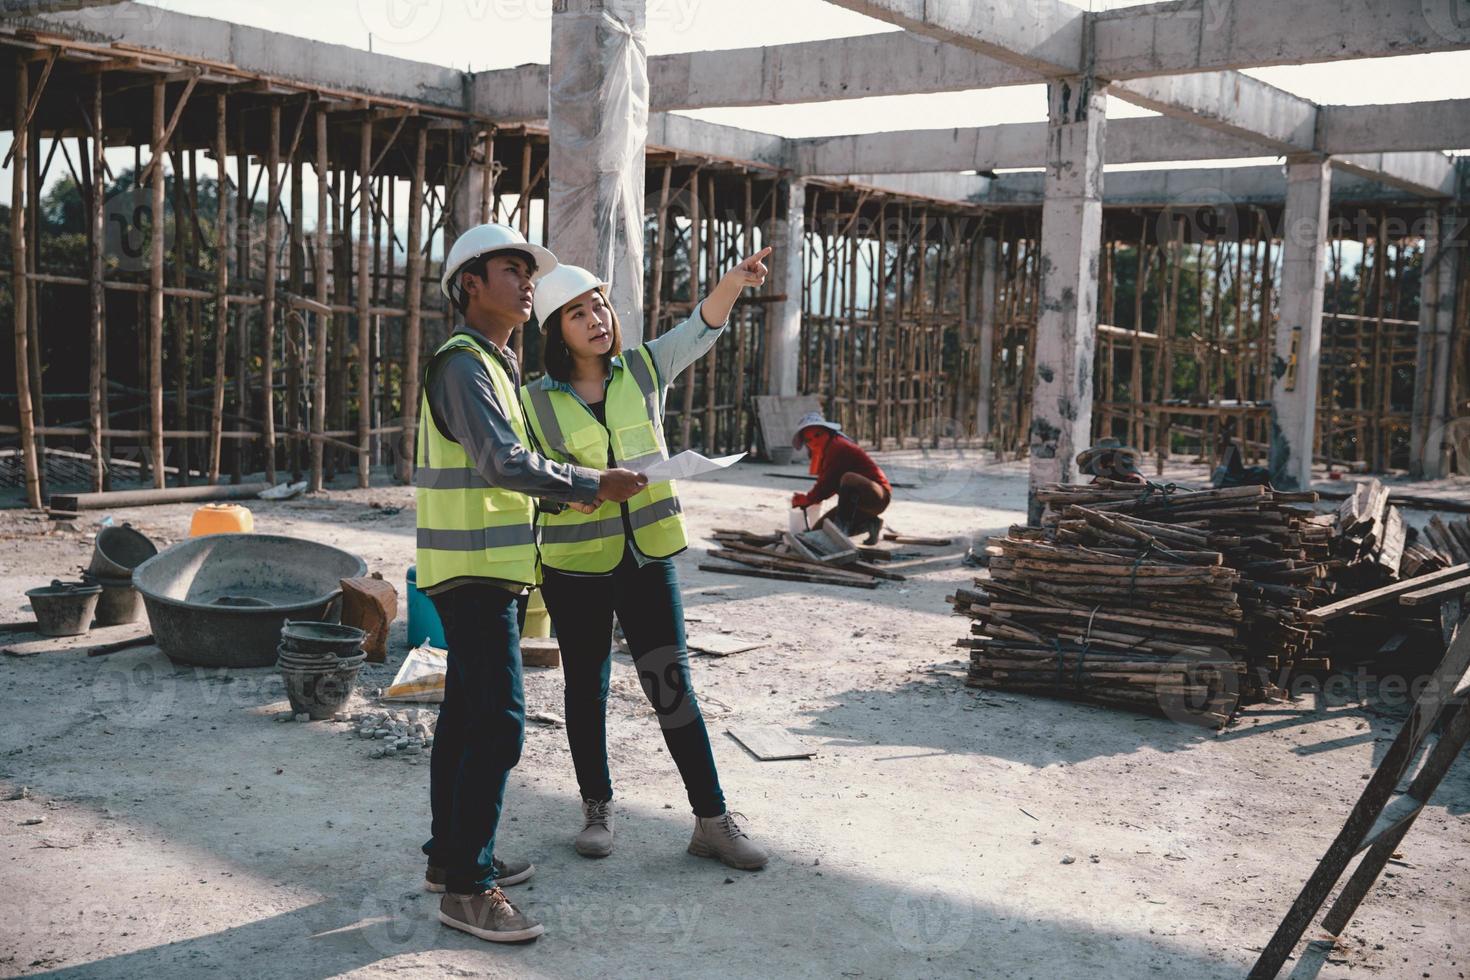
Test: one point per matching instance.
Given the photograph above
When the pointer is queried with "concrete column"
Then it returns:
(1437, 283)
(783, 332)
(1066, 326)
(985, 308)
(598, 114)
(1298, 350)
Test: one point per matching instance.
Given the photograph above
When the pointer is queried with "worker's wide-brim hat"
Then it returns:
(488, 238)
(560, 286)
(808, 421)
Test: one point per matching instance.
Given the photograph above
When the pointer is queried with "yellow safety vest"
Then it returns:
(569, 433)
(466, 527)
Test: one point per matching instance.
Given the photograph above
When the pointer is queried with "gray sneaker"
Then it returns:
(596, 838)
(723, 839)
(506, 873)
(489, 916)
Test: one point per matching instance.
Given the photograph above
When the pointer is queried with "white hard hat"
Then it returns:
(484, 239)
(560, 286)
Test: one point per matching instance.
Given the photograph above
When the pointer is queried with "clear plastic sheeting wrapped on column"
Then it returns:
(599, 124)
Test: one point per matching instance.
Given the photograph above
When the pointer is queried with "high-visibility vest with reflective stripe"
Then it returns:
(569, 433)
(466, 527)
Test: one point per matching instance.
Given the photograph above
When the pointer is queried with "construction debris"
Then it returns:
(815, 556)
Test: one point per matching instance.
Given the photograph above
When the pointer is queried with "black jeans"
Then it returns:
(648, 604)
(482, 724)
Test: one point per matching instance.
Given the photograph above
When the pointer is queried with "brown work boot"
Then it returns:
(488, 915)
(596, 838)
(506, 873)
(724, 839)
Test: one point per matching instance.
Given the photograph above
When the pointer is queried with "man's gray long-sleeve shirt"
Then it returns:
(467, 409)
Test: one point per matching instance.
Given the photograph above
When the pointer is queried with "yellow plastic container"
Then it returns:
(538, 620)
(221, 519)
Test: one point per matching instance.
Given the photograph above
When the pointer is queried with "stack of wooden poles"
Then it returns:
(1183, 603)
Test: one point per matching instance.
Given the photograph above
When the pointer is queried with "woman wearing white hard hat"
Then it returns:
(599, 405)
(476, 558)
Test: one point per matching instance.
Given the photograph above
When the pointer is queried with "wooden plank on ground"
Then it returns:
(770, 743)
(786, 576)
(1385, 594)
(32, 644)
(721, 644)
(540, 651)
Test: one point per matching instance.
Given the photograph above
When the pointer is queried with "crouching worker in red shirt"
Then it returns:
(842, 468)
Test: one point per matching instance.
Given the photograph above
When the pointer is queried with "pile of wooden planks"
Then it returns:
(1371, 539)
(812, 556)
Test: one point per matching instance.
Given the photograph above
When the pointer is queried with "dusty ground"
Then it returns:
(185, 831)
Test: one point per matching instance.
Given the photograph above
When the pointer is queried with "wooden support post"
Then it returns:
(686, 415)
(364, 300)
(268, 298)
(19, 288)
(180, 321)
(412, 298)
(155, 290)
(297, 342)
(221, 286)
(96, 237)
(323, 320)
(242, 273)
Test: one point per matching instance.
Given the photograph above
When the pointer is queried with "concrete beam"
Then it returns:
(1043, 36)
(1210, 35)
(313, 63)
(780, 74)
(1047, 36)
(1218, 187)
(1441, 125)
(1150, 139)
(1298, 343)
(696, 137)
(1424, 174)
(1181, 37)
(946, 188)
(1066, 318)
(1230, 103)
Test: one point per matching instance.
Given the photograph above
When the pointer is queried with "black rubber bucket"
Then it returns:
(120, 603)
(64, 608)
(119, 550)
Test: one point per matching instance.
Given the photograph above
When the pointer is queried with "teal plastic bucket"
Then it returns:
(423, 618)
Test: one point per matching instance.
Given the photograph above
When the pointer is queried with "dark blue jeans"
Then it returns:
(482, 724)
(647, 603)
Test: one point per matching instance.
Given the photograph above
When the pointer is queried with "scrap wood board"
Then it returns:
(31, 644)
(778, 416)
(721, 645)
(770, 743)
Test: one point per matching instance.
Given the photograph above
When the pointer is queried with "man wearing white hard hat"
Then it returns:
(476, 559)
(599, 405)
